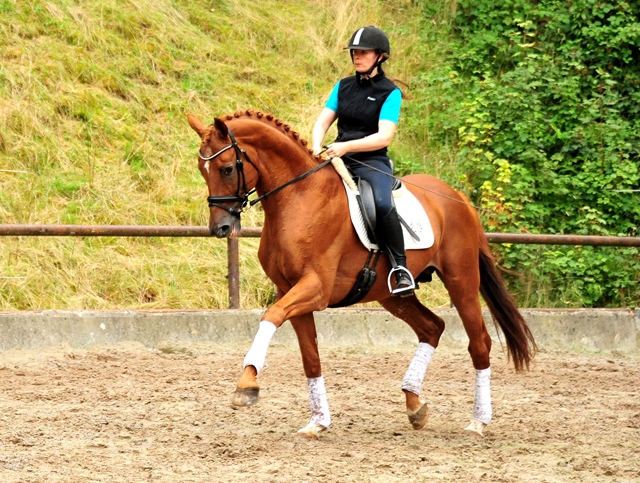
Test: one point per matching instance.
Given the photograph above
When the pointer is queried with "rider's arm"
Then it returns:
(327, 117)
(324, 122)
(379, 140)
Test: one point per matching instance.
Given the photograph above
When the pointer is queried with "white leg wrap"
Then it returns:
(482, 403)
(414, 376)
(258, 352)
(318, 401)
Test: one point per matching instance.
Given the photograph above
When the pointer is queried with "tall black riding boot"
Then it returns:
(389, 232)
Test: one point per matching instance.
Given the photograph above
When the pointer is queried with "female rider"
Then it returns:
(367, 106)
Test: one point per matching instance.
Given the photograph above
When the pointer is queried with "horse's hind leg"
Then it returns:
(464, 292)
(428, 327)
(305, 329)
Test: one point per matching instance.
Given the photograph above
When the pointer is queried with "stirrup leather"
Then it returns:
(404, 289)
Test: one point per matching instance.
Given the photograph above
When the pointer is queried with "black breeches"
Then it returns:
(388, 229)
(381, 183)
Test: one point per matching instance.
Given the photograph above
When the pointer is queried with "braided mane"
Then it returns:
(270, 119)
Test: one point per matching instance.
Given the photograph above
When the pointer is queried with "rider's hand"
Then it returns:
(337, 150)
(317, 150)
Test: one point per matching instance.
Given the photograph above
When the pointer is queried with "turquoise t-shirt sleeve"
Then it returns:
(332, 103)
(391, 108)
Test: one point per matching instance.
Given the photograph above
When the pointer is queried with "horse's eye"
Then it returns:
(226, 170)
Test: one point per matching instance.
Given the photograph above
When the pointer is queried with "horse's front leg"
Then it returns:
(305, 328)
(303, 298)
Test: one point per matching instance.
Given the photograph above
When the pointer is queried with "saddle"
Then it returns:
(367, 205)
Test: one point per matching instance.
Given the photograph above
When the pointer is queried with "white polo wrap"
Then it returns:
(258, 352)
(318, 401)
(482, 410)
(414, 376)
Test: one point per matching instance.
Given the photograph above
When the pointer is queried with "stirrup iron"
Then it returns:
(399, 291)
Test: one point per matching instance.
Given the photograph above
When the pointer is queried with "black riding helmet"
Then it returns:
(370, 38)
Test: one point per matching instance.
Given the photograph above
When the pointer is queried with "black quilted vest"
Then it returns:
(359, 104)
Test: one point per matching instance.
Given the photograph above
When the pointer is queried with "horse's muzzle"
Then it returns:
(226, 228)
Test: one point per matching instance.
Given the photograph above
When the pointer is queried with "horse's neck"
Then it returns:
(279, 157)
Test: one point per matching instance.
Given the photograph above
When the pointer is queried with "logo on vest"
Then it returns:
(371, 98)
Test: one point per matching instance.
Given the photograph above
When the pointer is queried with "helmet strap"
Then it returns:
(376, 65)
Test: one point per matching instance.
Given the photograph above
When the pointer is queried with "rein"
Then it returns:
(216, 201)
(418, 186)
(298, 178)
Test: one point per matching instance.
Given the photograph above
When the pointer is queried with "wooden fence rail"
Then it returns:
(233, 265)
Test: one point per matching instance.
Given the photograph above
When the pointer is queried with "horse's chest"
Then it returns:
(277, 257)
(289, 256)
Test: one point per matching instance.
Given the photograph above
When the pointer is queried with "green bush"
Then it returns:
(544, 100)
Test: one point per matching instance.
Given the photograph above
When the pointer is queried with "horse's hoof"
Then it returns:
(419, 417)
(476, 427)
(312, 430)
(246, 397)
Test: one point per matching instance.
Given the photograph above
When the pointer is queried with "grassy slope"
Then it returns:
(93, 97)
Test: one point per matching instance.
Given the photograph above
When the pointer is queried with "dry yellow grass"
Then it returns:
(93, 98)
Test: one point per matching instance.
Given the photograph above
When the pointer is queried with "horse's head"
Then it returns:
(221, 166)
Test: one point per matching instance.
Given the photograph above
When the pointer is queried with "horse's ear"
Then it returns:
(196, 124)
(221, 127)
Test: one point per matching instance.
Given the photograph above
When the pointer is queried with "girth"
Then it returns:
(366, 278)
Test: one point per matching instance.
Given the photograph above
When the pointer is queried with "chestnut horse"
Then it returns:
(310, 250)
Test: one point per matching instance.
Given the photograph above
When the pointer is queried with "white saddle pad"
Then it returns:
(408, 207)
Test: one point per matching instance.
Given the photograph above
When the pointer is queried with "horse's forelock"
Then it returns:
(207, 135)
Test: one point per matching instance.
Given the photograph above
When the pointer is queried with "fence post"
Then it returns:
(233, 260)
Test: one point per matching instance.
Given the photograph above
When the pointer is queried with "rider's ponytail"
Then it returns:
(405, 95)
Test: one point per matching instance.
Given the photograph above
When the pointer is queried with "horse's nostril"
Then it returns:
(223, 231)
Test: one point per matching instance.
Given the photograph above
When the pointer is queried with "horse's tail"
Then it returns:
(521, 346)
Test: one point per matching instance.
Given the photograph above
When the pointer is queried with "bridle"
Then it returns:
(242, 181)
(243, 199)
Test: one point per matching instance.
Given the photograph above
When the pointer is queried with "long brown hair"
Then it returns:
(405, 96)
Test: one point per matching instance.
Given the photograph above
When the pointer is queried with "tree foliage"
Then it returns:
(543, 98)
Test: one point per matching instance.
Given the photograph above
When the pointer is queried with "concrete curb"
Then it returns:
(592, 330)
